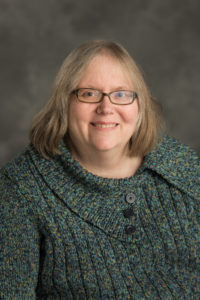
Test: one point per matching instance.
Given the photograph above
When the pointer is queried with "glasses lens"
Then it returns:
(117, 97)
(89, 95)
(123, 97)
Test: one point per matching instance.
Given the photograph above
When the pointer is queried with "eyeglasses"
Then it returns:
(88, 95)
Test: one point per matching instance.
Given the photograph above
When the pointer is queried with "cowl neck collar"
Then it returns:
(65, 165)
(98, 200)
(175, 162)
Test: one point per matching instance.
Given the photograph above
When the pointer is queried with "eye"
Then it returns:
(88, 93)
(119, 94)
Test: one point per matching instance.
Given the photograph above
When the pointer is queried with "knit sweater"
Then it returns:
(69, 234)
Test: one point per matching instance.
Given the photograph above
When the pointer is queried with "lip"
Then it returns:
(104, 125)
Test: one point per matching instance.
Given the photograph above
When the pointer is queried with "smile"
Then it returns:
(100, 125)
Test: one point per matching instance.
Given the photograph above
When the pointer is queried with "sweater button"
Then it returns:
(130, 198)
(128, 212)
(129, 229)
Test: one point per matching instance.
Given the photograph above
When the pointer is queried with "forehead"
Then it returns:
(104, 69)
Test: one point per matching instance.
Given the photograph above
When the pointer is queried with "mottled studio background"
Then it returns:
(35, 37)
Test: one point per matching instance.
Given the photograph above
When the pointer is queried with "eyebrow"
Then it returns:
(119, 88)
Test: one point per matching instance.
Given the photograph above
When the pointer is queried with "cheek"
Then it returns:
(130, 114)
(79, 112)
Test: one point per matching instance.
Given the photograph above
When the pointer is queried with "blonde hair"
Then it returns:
(50, 125)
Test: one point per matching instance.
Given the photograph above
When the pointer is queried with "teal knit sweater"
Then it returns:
(68, 234)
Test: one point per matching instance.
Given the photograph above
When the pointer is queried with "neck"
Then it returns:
(108, 164)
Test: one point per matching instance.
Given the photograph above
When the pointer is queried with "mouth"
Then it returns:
(105, 125)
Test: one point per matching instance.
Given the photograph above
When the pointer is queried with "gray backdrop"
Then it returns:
(35, 37)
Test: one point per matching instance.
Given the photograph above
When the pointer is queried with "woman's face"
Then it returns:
(103, 126)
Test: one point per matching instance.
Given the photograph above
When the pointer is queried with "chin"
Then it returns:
(104, 148)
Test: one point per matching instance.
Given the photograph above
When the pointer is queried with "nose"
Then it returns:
(105, 106)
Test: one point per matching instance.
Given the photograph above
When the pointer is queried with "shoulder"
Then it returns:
(28, 170)
(17, 189)
(16, 167)
(10, 176)
(177, 163)
(18, 175)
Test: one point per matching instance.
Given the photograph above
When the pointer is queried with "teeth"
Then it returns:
(105, 125)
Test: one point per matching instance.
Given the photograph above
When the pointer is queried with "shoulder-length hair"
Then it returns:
(50, 125)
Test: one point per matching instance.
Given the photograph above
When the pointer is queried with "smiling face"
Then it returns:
(103, 126)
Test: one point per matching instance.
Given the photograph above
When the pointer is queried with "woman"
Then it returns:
(100, 205)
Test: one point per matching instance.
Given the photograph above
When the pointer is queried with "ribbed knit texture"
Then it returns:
(63, 231)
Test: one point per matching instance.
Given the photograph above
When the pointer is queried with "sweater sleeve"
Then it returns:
(19, 243)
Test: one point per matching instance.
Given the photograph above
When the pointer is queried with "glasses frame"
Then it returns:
(104, 94)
